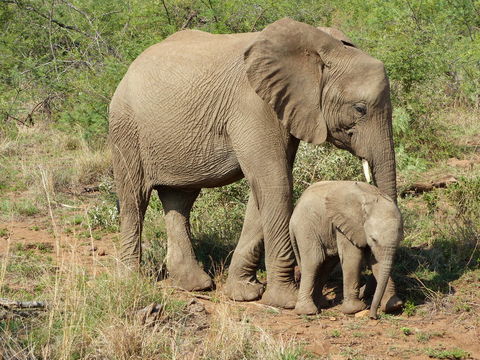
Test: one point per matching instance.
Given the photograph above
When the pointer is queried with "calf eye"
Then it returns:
(360, 108)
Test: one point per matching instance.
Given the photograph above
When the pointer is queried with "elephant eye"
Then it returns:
(360, 108)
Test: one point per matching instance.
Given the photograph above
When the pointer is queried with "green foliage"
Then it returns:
(409, 308)
(67, 65)
(322, 163)
(103, 215)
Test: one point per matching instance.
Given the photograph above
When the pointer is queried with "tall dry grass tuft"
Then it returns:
(96, 317)
(233, 338)
(92, 165)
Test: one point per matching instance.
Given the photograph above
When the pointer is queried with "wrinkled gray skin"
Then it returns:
(200, 110)
(341, 219)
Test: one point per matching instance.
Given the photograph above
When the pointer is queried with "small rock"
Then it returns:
(332, 318)
(149, 315)
(195, 306)
(361, 314)
(101, 253)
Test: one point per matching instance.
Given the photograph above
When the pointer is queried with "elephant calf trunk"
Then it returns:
(384, 274)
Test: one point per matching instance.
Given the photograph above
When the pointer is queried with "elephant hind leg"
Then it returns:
(133, 205)
(133, 194)
(182, 265)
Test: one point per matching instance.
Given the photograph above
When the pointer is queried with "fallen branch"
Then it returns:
(193, 294)
(421, 187)
(9, 304)
(267, 307)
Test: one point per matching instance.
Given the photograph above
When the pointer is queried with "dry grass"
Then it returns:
(92, 165)
(93, 312)
(37, 156)
(95, 317)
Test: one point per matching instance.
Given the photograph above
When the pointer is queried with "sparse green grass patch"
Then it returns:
(4, 232)
(22, 207)
(451, 354)
(335, 334)
(424, 337)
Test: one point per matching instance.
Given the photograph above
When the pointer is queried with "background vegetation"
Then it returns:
(60, 62)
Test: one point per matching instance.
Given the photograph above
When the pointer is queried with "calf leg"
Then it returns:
(351, 260)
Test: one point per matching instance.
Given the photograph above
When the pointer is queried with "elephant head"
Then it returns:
(372, 220)
(322, 87)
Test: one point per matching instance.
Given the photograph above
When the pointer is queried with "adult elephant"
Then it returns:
(200, 110)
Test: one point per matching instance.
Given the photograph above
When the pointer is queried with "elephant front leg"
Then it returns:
(242, 283)
(281, 290)
(182, 265)
(351, 259)
(264, 162)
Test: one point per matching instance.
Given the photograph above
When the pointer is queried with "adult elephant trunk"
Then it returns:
(383, 163)
(384, 274)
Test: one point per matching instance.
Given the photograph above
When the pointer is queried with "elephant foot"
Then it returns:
(193, 278)
(306, 308)
(243, 290)
(281, 295)
(393, 304)
(352, 306)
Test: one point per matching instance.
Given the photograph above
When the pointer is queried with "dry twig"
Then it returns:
(14, 304)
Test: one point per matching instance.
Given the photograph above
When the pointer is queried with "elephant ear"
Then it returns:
(337, 34)
(284, 66)
(348, 215)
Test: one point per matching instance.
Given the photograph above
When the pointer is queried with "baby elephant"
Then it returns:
(340, 219)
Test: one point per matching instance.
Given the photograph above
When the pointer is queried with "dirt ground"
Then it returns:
(329, 335)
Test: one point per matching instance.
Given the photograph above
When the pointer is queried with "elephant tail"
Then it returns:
(293, 240)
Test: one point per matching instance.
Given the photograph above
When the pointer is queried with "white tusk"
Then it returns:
(366, 171)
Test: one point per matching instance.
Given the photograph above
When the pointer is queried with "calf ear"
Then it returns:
(348, 217)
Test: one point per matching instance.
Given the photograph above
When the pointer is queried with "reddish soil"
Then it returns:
(37, 235)
(329, 335)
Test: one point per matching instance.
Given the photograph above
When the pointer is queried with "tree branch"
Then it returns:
(166, 11)
(9, 304)
(30, 7)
